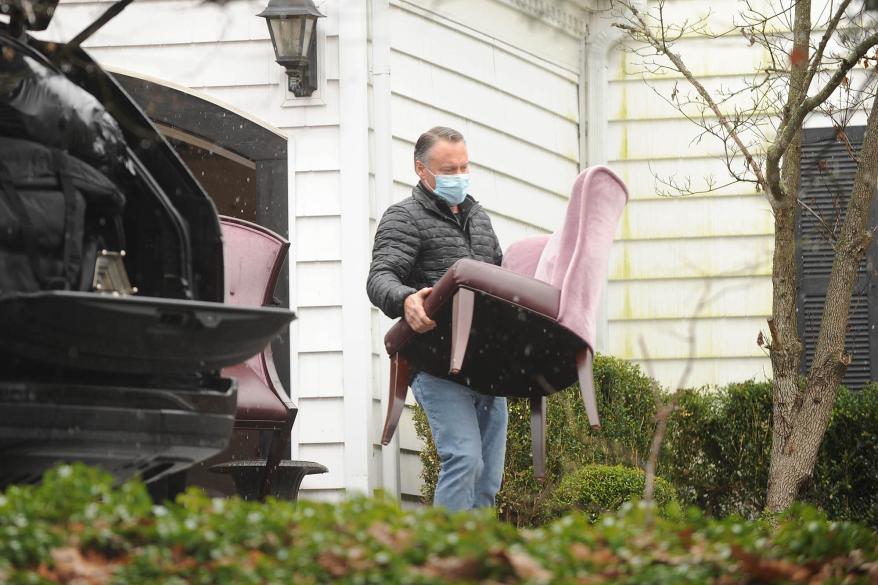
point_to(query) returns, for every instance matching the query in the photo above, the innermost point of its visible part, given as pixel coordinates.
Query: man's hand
(414, 311)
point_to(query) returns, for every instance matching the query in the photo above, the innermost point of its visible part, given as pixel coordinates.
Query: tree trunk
(786, 347)
(792, 461)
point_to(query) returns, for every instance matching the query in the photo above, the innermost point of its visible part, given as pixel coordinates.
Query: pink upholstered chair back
(253, 258)
(574, 258)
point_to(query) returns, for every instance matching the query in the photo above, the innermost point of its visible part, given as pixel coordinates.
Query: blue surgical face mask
(451, 188)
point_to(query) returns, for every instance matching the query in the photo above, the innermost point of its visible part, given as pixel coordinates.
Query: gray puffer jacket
(417, 241)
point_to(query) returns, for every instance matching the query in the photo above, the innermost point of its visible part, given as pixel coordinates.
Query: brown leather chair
(497, 332)
(254, 256)
(525, 329)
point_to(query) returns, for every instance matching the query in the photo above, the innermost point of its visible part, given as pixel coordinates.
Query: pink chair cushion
(575, 258)
(523, 256)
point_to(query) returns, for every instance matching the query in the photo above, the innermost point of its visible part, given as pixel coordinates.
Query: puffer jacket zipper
(462, 227)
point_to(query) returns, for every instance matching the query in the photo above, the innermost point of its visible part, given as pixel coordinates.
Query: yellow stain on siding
(626, 224)
(628, 348)
(623, 115)
(627, 311)
(624, 270)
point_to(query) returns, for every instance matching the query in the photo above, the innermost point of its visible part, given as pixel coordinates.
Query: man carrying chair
(417, 241)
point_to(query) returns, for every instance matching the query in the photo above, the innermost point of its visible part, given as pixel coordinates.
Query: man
(418, 240)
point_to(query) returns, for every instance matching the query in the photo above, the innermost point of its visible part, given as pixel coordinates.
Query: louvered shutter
(827, 178)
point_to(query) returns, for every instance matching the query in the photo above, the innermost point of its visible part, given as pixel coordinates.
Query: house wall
(695, 267)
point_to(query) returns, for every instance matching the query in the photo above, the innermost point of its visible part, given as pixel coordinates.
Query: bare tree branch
(797, 115)
(830, 232)
(824, 41)
(664, 49)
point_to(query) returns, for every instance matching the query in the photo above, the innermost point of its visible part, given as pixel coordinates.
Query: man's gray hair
(431, 137)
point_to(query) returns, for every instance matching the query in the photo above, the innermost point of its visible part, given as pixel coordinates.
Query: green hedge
(75, 528)
(717, 448)
(598, 489)
(716, 452)
(626, 401)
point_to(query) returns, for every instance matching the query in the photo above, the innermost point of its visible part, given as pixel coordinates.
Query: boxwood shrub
(626, 401)
(598, 489)
(77, 528)
(716, 452)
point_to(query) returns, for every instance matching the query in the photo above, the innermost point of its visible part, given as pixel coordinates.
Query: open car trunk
(126, 378)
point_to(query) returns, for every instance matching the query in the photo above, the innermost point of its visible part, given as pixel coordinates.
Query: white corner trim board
(383, 168)
(603, 37)
(354, 186)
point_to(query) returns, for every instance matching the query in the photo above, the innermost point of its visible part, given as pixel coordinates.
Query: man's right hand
(414, 311)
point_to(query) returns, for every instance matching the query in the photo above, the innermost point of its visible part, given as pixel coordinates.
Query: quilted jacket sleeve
(397, 242)
(498, 251)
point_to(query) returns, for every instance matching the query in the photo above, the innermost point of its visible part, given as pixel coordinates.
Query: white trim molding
(603, 37)
(570, 18)
(354, 185)
(382, 163)
(293, 286)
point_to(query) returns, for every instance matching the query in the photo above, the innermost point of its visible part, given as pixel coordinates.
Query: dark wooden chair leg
(400, 373)
(585, 367)
(462, 307)
(277, 452)
(538, 435)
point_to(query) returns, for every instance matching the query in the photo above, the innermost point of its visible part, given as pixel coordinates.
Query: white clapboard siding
(694, 217)
(647, 299)
(721, 370)
(317, 193)
(324, 486)
(319, 284)
(646, 178)
(698, 263)
(672, 338)
(320, 374)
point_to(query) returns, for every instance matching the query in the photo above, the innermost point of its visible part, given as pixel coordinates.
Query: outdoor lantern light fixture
(291, 24)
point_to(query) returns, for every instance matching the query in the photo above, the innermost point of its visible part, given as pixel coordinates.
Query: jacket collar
(422, 194)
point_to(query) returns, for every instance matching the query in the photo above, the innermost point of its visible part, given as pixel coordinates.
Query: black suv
(112, 327)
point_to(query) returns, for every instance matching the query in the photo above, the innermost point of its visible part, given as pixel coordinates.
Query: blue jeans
(469, 430)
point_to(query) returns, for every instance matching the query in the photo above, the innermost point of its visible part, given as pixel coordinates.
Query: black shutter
(826, 181)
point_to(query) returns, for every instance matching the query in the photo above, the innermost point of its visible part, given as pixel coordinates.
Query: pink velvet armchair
(254, 256)
(527, 328)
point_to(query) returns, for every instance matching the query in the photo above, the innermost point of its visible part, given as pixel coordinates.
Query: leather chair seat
(520, 291)
(258, 406)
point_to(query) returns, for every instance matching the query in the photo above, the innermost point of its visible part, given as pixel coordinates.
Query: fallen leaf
(600, 557)
(528, 568)
(398, 541)
(72, 567)
(770, 570)
(450, 568)
(334, 564)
